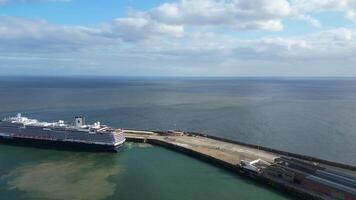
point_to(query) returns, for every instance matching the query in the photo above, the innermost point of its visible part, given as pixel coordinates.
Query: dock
(303, 176)
(226, 152)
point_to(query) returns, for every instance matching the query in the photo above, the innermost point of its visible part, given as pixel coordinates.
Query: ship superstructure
(27, 131)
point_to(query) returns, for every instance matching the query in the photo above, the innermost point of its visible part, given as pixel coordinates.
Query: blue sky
(77, 12)
(178, 38)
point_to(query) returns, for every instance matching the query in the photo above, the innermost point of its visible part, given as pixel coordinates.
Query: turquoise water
(310, 116)
(138, 172)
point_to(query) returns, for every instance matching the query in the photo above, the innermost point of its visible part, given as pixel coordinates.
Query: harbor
(302, 176)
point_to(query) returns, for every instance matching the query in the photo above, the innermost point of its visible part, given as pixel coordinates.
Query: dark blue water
(309, 116)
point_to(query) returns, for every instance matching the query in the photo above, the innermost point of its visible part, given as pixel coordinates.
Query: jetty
(304, 177)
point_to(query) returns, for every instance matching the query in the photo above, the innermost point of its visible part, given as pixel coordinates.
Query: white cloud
(136, 28)
(322, 5)
(325, 45)
(18, 34)
(245, 14)
(37, 35)
(314, 22)
(302, 7)
(183, 34)
(236, 14)
(328, 45)
(351, 15)
(142, 37)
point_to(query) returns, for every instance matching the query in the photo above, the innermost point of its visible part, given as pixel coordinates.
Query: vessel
(21, 130)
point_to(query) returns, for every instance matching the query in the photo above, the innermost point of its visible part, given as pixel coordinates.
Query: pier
(303, 176)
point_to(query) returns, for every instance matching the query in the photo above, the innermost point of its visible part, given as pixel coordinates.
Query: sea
(311, 116)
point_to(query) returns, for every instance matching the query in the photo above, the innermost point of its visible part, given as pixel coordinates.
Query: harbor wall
(228, 166)
(268, 149)
(285, 153)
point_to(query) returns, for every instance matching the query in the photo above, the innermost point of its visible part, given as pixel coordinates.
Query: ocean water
(316, 117)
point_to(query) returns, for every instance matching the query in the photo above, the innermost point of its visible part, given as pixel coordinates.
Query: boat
(24, 131)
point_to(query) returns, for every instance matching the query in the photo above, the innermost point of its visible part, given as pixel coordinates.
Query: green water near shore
(137, 172)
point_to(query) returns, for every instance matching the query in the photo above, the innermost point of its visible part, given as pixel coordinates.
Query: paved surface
(228, 152)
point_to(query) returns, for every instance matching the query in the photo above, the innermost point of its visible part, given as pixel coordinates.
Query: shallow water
(138, 172)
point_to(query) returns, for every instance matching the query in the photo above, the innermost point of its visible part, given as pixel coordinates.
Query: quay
(302, 176)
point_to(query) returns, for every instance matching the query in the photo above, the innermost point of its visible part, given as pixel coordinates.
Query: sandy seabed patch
(131, 145)
(74, 178)
(144, 145)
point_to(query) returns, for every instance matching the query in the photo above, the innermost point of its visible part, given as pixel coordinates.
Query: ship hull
(59, 145)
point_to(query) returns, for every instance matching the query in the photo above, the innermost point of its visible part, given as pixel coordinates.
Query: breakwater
(280, 152)
(228, 154)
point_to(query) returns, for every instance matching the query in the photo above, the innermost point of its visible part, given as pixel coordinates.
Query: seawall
(228, 154)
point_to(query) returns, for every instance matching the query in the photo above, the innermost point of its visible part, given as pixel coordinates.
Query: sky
(178, 37)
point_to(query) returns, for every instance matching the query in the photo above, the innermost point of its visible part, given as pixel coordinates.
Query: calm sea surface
(310, 116)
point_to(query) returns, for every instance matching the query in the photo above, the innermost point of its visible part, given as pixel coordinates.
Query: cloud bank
(185, 35)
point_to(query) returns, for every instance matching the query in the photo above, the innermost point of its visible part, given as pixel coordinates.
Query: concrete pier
(228, 154)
